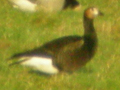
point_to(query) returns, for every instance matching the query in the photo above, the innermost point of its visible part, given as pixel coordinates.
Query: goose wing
(50, 48)
(67, 55)
(54, 46)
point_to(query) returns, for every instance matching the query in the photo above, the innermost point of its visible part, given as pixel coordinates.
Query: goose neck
(90, 36)
(88, 26)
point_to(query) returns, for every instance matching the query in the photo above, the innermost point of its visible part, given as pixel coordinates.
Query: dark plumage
(67, 53)
(73, 4)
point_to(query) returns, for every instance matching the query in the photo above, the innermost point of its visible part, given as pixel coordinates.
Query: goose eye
(92, 9)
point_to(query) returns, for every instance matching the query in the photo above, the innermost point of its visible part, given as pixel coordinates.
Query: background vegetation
(20, 31)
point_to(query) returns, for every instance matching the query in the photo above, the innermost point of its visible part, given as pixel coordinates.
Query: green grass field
(20, 31)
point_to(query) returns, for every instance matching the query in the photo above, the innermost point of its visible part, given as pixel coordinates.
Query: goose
(36, 5)
(46, 5)
(65, 54)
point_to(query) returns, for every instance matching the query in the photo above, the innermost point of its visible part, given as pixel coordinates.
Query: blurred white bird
(45, 5)
(35, 5)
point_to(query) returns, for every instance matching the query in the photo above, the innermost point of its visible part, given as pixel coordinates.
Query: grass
(20, 31)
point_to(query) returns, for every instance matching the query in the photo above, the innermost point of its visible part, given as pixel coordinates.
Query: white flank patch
(24, 5)
(41, 64)
(46, 5)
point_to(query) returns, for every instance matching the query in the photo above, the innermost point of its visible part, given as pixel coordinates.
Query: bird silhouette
(67, 54)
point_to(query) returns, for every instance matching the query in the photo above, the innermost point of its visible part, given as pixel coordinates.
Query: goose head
(92, 12)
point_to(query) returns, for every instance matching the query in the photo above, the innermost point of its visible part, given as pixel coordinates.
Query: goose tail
(20, 58)
(17, 62)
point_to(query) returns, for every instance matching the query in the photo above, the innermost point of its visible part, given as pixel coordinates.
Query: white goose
(46, 5)
(35, 5)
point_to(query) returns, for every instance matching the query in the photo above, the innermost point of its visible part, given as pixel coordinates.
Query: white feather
(46, 5)
(24, 5)
(41, 64)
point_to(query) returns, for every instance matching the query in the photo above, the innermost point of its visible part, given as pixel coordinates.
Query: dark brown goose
(64, 54)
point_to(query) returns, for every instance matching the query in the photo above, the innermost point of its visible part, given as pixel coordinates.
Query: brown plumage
(67, 53)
